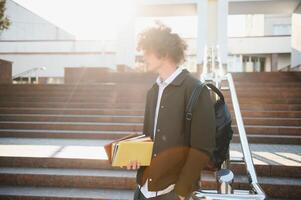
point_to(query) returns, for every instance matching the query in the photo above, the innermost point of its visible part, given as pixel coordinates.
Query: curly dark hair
(161, 41)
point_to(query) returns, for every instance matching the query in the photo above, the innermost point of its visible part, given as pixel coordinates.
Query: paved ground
(270, 154)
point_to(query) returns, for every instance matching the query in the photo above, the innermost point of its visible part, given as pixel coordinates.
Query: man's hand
(181, 198)
(133, 164)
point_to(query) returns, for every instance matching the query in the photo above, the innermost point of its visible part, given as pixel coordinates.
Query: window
(281, 29)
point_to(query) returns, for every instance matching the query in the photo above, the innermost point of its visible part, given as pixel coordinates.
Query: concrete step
(72, 118)
(267, 80)
(79, 111)
(134, 127)
(139, 100)
(239, 83)
(268, 139)
(136, 119)
(243, 106)
(267, 107)
(106, 111)
(51, 155)
(290, 74)
(141, 84)
(267, 130)
(84, 134)
(72, 105)
(123, 179)
(87, 153)
(269, 113)
(75, 87)
(77, 99)
(72, 134)
(96, 126)
(60, 193)
(36, 95)
(100, 92)
(267, 169)
(262, 84)
(59, 177)
(265, 100)
(264, 94)
(269, 121)
(243, 92)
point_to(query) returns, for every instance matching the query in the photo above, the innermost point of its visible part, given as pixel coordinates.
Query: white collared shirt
(162, 85)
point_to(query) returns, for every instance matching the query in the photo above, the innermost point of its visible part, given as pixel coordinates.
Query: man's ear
(165, 58)
(159, 56)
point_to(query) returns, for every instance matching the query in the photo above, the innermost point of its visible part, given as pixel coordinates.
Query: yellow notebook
(136, 147)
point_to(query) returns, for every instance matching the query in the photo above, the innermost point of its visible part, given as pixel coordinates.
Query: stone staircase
(52, 137)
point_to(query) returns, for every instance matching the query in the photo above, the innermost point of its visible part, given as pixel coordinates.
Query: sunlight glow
(53, 151)
(89, 19)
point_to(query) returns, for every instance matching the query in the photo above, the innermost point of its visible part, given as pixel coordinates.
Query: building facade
(245, 35)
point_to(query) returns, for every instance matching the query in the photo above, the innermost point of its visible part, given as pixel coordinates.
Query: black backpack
(224, 131)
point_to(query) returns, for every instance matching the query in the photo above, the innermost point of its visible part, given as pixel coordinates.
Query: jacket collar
(172, 77)
(178, 80)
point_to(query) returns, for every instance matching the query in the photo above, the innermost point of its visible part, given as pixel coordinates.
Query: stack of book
(130, 148)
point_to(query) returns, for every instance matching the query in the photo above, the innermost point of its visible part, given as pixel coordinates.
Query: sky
(104, 19)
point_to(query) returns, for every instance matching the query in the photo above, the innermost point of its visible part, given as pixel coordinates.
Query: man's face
(152, 62)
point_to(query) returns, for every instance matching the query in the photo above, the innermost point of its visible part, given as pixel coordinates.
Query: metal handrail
(241, 130)
(29, 72)
(244, 140)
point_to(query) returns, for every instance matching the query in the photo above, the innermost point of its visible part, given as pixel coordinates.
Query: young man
(177, 158)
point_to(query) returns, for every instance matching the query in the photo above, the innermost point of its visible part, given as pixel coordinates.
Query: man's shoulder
(190, 80)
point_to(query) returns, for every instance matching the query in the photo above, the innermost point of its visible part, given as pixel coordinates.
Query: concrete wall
(259, 45)
(55, 63)
(5, 72)
(296, 38)
(284, 60)
(55, 55)
(26, 25)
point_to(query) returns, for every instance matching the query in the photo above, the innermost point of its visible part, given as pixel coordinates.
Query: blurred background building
(251, 36)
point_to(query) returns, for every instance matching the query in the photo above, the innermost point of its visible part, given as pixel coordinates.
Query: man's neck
(166, 71)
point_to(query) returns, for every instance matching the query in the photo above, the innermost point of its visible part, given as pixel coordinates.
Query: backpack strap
(216, 90)
(191, 104)
(193, 100)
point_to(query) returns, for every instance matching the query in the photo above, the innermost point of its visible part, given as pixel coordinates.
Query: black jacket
(178, 159)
